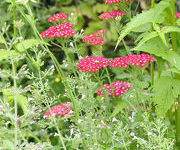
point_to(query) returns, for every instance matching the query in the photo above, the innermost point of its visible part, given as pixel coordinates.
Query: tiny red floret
(95, 38)
(177, 15)
(59, 110)
(111, 15)
(114, 1)
(57, 17)
(119, 88)
(92, 64)
(62, 30)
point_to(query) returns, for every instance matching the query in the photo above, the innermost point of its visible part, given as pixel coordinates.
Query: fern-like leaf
(154, 15)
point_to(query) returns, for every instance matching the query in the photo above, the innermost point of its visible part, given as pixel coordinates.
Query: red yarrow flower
(59, 110)
(62, 30)
(95, 38)
(132, 60)
(177, 15)
(92, 64)
(111, 15)
(114, 1)
(119, 88)
(58, 16)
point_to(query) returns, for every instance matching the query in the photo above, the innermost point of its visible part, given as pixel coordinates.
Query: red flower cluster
(111, 15)
(92, 64)
(114, 1)
(119, 87)
(94, 39)
(62, 30)
(57, 16)
(59, 110)
(177, 15)
(132, 60)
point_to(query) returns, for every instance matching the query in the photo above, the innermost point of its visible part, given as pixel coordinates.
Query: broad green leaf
(157, 48)
(166, 91)
(143, 28)
(151, 16)
(26, 44)
(4, 54)
(21, 100)
(149, 35)
(120, 105)
(160, 64)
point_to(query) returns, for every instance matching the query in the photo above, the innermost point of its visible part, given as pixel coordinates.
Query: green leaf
(120, 105)
(154, 15)
(156, 47)
(4, 54)
(143, 28)
(166, 91)
(21, 100)
(7, 144)
(26, 44)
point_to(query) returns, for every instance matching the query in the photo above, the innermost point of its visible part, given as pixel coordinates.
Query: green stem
(152, 73)
(173, 34)
(152, 64)
(152, 3)
(110, 82)
(14, 79)
(56, 125)
(177, 120)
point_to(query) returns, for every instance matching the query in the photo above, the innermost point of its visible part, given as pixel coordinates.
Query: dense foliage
(89, 75)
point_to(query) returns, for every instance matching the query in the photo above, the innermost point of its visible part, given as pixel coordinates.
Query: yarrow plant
(62, 30)
(95, 38)
(111, 15)
(59, 110)
(119, 88)
(92, 64)
(132, 60)
(177, 15)
(115, 1)
(57, 17)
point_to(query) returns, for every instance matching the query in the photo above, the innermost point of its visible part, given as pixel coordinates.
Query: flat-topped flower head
(115, 1)
(132, 60)
(119, 88)
(92, 64)
(57, 17)
(111, 15)
(62, 30)
(59, 110)
(177, 15)
(95, 38)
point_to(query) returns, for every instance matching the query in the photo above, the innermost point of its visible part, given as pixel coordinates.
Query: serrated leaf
(26, 44)
(156, 47)
(149, 35)
(166, 91)
(151, 16)
(143, 28)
